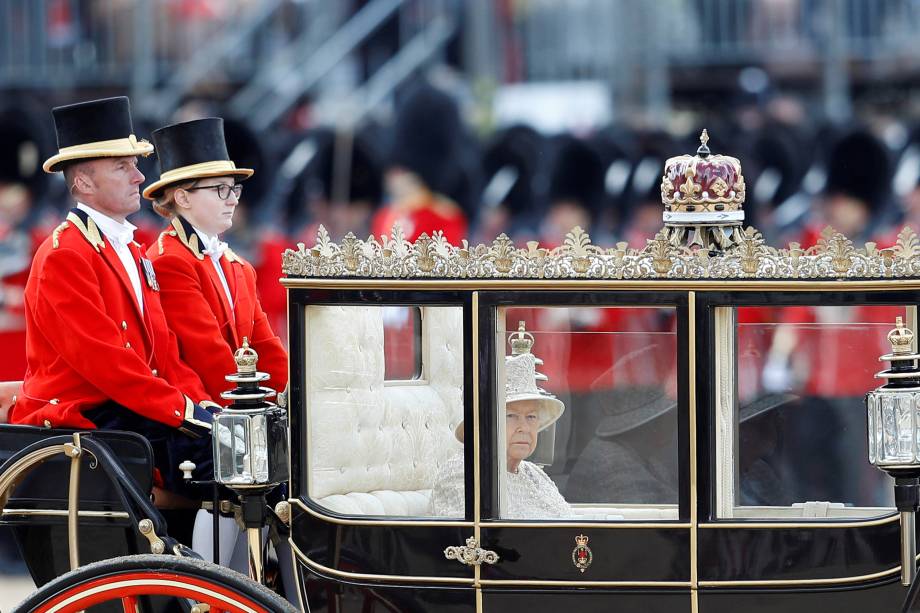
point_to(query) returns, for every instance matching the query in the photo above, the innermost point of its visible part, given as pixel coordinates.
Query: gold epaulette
(56, 235)
(160, 248)
(89, 230)
(189, 239)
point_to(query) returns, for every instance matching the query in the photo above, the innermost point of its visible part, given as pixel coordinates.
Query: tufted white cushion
(375, 448)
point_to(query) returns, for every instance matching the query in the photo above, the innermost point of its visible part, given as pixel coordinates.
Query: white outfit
(120, 235)
(528, 494)
(214, 248)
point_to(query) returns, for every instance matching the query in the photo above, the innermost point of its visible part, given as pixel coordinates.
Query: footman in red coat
(99, 352)
(208, 292)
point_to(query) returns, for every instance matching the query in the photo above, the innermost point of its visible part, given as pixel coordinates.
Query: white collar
(121, 232)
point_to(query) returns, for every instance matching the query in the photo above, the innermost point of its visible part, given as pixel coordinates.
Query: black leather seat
(43, 538)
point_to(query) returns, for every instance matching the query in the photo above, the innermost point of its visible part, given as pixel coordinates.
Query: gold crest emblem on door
(582, 555)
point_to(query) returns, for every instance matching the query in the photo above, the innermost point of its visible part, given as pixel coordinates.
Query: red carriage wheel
(130, 579)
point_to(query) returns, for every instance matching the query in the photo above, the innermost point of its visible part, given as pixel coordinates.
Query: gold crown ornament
(703, 196)
(246, 358)
(522, 341)
(901, 338)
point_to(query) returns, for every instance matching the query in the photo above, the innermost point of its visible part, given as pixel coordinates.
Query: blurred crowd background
(475, 117)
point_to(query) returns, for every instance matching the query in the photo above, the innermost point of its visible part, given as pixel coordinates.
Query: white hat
(521, 378)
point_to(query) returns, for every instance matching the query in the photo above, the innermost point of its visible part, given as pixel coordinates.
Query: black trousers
(170, 447)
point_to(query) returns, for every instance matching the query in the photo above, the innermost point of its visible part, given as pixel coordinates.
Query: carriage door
(380, 380)
(601, 497)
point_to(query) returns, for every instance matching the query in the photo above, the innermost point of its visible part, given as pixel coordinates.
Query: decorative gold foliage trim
(432, 257)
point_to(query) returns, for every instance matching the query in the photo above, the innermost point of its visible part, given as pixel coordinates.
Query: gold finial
(703, 150)
(900, 338)
(246, 358)
(521, 341)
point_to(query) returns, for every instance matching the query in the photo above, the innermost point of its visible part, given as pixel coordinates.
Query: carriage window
(587, 413)
(790, 410)
(376, 446)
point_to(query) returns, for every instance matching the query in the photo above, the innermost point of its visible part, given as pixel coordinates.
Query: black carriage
(742, 492)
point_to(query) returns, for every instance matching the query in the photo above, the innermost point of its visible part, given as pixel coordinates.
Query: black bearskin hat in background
(360, 162)
(577, 174)
(316, 180)
(510, 162)
(245, 149)
(25, 145)
(859, 167)
(616, 149)
(774, 163)
(653, 148)
(428, 138)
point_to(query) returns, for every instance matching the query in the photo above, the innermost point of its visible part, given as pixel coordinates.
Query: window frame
(712, 329)
(299, 300)
(491, 303)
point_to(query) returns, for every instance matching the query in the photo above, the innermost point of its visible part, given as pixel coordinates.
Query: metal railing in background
(639, 46)
(85, 43)
(276, 51)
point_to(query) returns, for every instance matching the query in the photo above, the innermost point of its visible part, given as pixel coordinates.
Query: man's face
(521, 428)
(113, 185)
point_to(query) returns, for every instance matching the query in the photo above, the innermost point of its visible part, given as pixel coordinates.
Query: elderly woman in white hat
(528, 492)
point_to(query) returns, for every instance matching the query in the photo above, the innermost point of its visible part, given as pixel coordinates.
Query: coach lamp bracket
(894, 436)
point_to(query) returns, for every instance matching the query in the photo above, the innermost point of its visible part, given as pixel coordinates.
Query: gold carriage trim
(834, 257)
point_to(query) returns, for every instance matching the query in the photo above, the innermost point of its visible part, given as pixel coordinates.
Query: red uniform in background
(88, 341)
(208, 328)
(422, 216)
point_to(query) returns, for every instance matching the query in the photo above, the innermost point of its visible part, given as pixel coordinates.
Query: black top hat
(636, 406)
(192, 150)
(94, 129)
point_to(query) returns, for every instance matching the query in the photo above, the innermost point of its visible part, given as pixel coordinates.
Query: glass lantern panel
(897, 416)
(235, 463)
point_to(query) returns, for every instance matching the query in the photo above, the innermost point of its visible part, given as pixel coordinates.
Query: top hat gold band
(116, 147)
(214, 168)
(203, 168)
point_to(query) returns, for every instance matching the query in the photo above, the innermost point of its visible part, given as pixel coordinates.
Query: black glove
(197, 420)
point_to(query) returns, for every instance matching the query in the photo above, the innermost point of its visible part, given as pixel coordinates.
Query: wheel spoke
(129, 604)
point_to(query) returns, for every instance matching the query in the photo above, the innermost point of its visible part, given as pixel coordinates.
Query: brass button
(54, 401)
(124, 325)
(127, 345)
(155, 373)
(47, 423)
(178, 414)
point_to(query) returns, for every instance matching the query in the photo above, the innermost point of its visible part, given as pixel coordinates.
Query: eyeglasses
(223, 190)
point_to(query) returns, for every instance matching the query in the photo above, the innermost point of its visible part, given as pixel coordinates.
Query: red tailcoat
(196, 306)
(87, 342)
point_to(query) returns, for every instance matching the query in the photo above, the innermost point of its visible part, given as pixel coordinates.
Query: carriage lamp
(894, 436)
(250, 435)
(250, 448)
